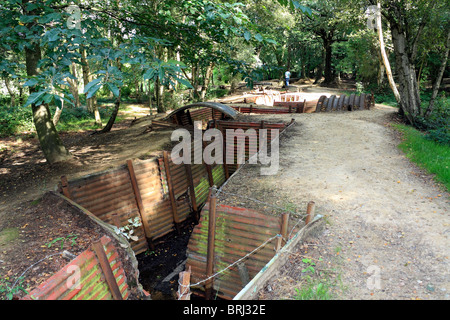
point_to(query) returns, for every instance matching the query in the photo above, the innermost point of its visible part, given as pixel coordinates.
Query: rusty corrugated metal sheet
(232, 147)
(290, 97)
(345, 103)
(205, 114)
(238, 232)
(110, 197)
(157, 209)
(91, 285)
(221, 108)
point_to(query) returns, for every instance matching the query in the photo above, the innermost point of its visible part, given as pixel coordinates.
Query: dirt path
(388, 224)
(25, 175)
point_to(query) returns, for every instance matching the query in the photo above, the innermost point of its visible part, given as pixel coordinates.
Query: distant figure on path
(287, 75)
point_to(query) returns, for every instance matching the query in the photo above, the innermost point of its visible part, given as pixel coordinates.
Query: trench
(159, 268)
(120, 193)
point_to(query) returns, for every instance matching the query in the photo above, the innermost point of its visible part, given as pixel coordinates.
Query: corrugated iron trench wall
(157, 191)
(160, 193)
(96, 274)
(293, 103)
(238, 232)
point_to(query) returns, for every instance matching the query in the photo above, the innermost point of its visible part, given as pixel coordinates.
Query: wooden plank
(211, 245)
(171, 190)
(141, 208)
(65, 187)
(97, 247)
(190, 178)
(183, 285)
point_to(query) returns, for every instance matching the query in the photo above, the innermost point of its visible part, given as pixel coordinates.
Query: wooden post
(176, 219)
(65, 187)
(283, 231)
(137, 195)
(97, 247)
(310, 212)
(190, 178)
(135, 186)
(184, 281)
(211, 245)
(224, 153)
(208, 169)
(243, 273)
(116, 220)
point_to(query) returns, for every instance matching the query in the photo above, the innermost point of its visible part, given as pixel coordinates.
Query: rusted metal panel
(221, 108)
(238, 232)
(291, 97)
(344, 103)
(282, 108)
(231, 147)
(110, 197)
(83, 278)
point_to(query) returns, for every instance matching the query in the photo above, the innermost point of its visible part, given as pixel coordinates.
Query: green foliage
(8, 291)
(313, 290)
(71, 237)
(430, 155)
(14, 120)
(437, 124)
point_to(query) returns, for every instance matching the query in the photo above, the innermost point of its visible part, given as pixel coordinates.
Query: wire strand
(236, 262)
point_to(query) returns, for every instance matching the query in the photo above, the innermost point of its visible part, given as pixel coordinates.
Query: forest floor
(388, 223)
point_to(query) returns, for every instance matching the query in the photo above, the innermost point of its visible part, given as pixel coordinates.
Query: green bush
(430, 155)
(14, 120)
(437, 124)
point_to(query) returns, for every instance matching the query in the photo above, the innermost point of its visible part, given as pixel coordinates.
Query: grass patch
(313, 290)
(427, 154)
(8, 235)
(17, 120)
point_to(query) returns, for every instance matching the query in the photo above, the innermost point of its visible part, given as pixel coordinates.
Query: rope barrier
(236, 262)
(218, 192)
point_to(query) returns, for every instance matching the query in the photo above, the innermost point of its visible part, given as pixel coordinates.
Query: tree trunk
(327, 42)
(319, 72)
(437, 82)
(150, 97)
(195, 73)
(159, 91)
(73, 85)
(385, 59)
(408, 88)
(51, 144)
(113, 116)
(206, 81)
(91, 104)
(12, 95)
(58, 112)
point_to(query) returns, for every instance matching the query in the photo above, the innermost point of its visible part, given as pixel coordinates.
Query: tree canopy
(58, 53)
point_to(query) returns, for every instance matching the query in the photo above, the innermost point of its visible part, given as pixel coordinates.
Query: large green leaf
(114, 89)
(91, 84)
(34, 97)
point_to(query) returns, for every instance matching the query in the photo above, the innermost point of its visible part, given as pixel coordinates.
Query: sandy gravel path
(388, 225)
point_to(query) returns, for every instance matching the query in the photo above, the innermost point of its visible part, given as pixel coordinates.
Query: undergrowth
(427, 154)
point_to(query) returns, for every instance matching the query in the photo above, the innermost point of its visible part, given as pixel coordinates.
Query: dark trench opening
(159, 268)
